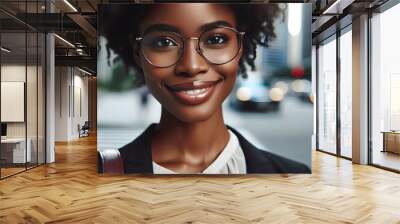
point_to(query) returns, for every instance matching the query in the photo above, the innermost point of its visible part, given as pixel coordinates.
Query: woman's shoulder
(137, 158)
(262, 161)
(278, 164)
(136, 155)
(139, 142)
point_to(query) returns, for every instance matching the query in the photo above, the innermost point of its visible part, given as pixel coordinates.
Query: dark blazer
(137, 157)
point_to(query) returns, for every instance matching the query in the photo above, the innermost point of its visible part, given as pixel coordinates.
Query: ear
(241, 48)
(135, 50)
(240, 51)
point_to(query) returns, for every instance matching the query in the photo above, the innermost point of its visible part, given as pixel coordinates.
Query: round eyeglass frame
(198, 48)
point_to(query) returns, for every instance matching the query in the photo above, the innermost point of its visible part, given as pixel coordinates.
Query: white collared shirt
(230, 161)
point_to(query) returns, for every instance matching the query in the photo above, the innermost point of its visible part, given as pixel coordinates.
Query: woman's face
(192, 89)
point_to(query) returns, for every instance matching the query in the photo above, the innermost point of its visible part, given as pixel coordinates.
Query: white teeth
(194, 92)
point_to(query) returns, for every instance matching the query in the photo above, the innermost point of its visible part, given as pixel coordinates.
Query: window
(385, 89)
(346, 93)
(22, 87)
(327, 96)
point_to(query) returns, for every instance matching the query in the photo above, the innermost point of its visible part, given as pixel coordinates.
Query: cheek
(229, 72)
(155, 77)
(154, 82)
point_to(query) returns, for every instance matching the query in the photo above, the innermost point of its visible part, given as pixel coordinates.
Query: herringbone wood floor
(70, 191)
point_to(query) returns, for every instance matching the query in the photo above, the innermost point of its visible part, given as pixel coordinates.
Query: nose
(191, 62)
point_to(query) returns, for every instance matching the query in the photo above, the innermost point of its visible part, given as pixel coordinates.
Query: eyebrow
(169, 28)
(215, 24)
(161, 27)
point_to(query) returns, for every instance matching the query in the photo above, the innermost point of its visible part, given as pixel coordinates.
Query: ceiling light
(70, 5)
(338, 6)
(333, 6)
(65, 41)
(5, 50)
(84, 71)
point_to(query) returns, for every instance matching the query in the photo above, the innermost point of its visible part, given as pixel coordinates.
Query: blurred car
(303, 90)
(253, 95)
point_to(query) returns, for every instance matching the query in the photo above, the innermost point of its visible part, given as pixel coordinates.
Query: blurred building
(291, 48)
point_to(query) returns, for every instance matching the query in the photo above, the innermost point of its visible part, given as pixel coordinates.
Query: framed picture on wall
(12, 101)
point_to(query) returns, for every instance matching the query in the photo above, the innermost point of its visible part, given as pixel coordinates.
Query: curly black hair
(120, 22)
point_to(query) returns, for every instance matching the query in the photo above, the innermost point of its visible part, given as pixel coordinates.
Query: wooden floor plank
(71, 191)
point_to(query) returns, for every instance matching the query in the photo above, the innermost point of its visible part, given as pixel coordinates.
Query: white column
(50, 93)
(50, 99)
(360, 90)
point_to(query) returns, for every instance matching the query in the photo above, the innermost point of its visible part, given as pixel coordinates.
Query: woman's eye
(164, 42)
(216, 39)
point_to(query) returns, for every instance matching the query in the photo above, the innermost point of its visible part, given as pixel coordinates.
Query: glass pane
(13, 86)
(386, 89)
(327, 96)
(41, 98)
(31, 100)
(31, 87)
(346, 94)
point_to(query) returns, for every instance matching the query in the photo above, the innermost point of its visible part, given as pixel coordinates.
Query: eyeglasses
(218, 46)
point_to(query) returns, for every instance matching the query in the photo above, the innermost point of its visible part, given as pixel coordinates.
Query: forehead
(188, 18)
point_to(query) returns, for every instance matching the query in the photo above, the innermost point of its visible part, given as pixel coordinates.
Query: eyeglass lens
(163, 49)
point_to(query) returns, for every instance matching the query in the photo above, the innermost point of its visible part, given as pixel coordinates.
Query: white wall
(62, 82)
(80, 94)
(71, 93)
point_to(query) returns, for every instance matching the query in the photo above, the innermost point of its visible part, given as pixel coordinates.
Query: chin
(194, 114)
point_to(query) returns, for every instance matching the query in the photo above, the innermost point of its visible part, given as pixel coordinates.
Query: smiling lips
(193, 93)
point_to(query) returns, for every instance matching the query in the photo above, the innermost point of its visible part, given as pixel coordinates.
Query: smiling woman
(188, 55)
